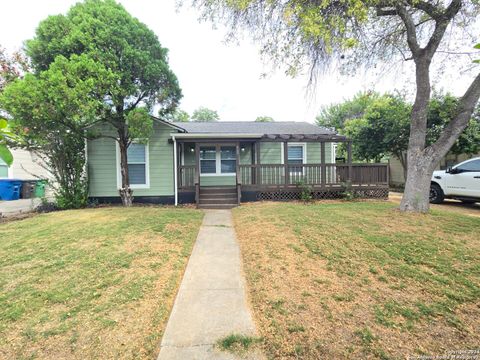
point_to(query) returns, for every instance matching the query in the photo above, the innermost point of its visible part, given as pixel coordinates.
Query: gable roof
(250, 127)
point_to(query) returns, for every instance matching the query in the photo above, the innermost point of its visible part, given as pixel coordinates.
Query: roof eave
(216, 136)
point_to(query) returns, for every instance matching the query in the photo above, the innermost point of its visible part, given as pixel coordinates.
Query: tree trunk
(126, 193)
(422, 161)
(417, 185)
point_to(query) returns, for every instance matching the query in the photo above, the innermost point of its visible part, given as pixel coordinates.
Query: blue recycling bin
(10, 189)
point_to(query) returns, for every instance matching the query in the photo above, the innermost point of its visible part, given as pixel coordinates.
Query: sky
(226, 77)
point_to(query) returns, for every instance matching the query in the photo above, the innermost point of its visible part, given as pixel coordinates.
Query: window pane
(3, 171)
(229, 166)
(208, 166)
(295, 152)
(471, 166)
(298, 162)
(207, 153)
(228, 153)
(137, 174)
(136, 153)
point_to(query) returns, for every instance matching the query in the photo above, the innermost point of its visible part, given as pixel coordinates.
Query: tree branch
(411, 30)
(456, 126)
(441, 24)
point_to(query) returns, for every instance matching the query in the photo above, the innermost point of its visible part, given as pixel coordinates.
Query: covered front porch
(251, 167)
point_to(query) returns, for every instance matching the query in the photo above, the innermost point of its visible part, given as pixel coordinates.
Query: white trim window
(4, 170)
(297, 155)
(138, 166)
(218, 160)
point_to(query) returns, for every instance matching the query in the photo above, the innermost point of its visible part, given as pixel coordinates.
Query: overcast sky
(224, 77)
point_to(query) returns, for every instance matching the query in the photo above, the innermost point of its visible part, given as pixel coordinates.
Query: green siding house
(220, 164)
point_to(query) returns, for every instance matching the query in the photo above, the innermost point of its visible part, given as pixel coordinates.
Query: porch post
(258, 175)
(285, 160)
(349, 162)
(237, 171)
(175, 169)
(323, 174)
(197, 172)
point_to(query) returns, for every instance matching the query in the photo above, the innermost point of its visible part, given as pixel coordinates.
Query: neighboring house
(223, 163)
(397, 179)
(26, 166)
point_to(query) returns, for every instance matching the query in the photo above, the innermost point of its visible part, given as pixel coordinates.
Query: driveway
(15, 207)
(449, 205)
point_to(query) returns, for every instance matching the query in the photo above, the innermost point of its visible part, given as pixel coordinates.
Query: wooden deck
(286, 181)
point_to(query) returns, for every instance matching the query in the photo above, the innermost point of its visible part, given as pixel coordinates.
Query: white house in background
(26, 166)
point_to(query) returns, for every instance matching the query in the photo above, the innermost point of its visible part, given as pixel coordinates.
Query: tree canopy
(379, 125)
(264, 119)
(178, 115)
(203, 114)
(113, 71)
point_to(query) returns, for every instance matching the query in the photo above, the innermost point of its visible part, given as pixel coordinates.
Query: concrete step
(218, 189)
(232, 200)
(218, 195)
(217, 206)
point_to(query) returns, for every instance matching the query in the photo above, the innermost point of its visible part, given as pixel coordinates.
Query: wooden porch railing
(264, 175)
(186, 176)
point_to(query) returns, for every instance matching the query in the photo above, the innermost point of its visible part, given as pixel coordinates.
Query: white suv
(461, 182)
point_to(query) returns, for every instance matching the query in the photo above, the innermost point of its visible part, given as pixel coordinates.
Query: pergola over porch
(257, 181)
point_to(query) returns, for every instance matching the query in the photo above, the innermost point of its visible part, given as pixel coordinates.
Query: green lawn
(91, 284)
(354, 280)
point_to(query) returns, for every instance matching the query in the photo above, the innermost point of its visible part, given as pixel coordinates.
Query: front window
(137, 164)
(208, 160)
(296, 158)
(228, 159)
(218, 160)
(3, 169)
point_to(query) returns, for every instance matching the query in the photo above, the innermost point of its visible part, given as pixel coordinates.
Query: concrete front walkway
(211, 302)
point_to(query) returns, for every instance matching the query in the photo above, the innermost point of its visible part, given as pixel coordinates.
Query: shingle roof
(244, 127)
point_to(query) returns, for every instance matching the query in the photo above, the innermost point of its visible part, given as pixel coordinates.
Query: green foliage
(5, 135)
(52, 110)
(300, 33)
(96, 64)
(382, 130)
(441, 109)
(264, 119)
(335, 115)
(379, 125)
(11, 67)
(237, 343)
(140, 124)
(203, 114)
(178, 115)
(477, 60)
(305, 191)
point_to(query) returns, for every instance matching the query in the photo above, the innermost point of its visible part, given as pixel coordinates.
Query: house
(26, 166)
(397, 178)
(220, 164)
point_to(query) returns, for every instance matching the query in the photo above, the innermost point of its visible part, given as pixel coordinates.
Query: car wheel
(468, 201)
(436, 194)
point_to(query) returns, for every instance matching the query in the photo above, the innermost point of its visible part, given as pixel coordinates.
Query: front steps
(218, 197)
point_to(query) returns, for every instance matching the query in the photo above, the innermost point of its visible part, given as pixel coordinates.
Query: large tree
(264, 119)
(379, 125)
(52, 112)
(105, 32)
(366, 32)
(203, 114)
